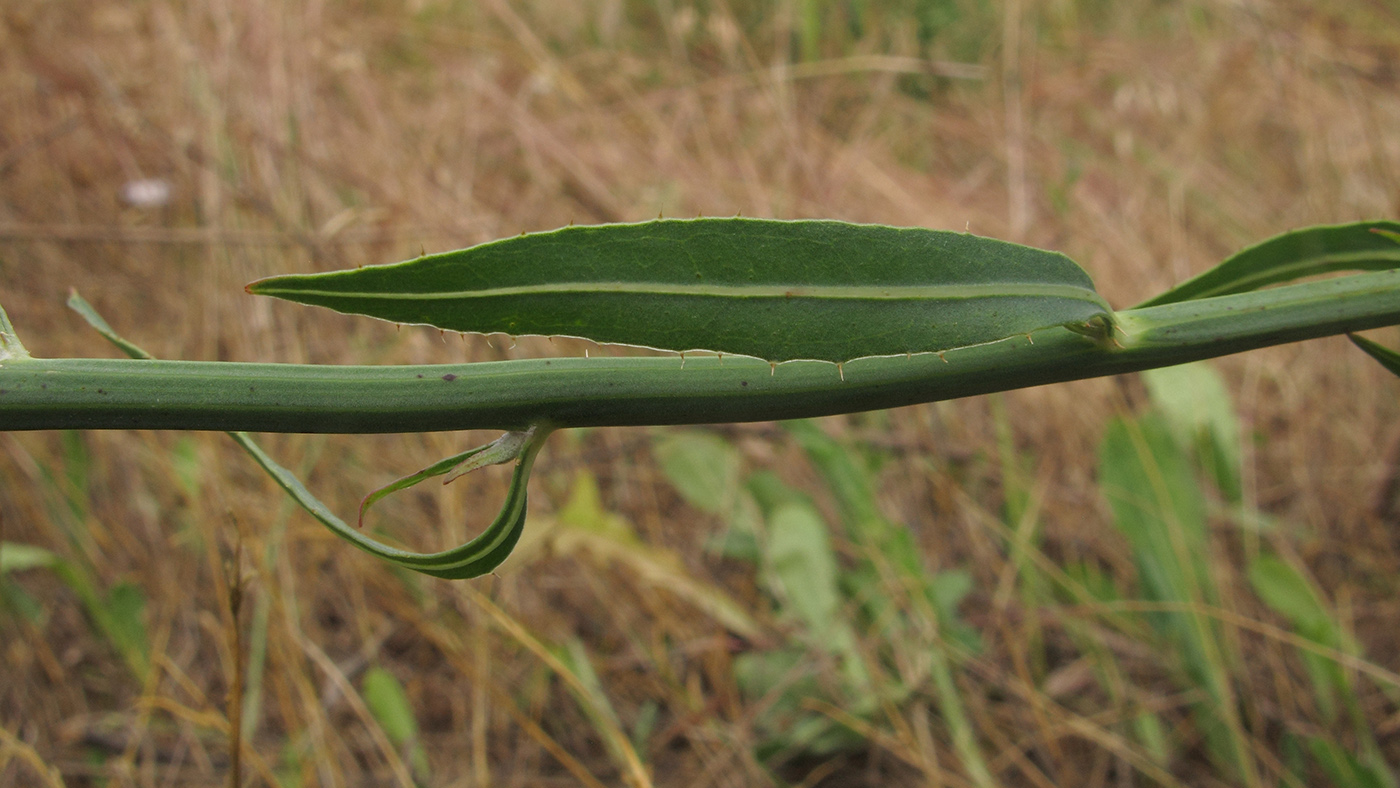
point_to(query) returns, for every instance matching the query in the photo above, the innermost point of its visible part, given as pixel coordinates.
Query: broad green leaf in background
(1294, 255)
(1157, 505)
(1197, 408)
(849, 480)
(775, 290)
(706, 469)
(800, 557)
(703, 468)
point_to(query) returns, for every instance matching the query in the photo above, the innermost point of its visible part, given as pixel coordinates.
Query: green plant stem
(602, 391)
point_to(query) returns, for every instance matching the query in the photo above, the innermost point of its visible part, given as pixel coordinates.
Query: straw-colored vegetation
(1098, 583)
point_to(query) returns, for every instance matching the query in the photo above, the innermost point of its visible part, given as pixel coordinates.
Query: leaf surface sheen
(774, 290)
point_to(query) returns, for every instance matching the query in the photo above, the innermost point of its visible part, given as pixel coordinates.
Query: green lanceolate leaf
(1363, 246)
(774, 290)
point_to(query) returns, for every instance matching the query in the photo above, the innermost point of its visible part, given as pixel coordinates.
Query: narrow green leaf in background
(1290, 594)
(388, 702)
(1157, 504)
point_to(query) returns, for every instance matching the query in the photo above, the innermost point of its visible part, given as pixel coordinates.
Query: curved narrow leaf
(775, 290)
(473, 559)
(1363, 246)
(1388, 358)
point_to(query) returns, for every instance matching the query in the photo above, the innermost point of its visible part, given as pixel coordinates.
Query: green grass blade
(1157, 505)
(1363, 246)
(1388, 358)
(1291, 595)
(774, 290)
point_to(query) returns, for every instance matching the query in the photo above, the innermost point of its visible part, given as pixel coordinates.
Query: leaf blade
(775, 290)
(1360, 246)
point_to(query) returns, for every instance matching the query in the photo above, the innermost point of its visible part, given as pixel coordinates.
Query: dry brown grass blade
(635, 773)
(12, 749)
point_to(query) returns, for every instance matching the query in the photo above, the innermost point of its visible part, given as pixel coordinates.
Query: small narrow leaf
(1388, 358)
(1363, 246)
(385, 696)
(388, 702)
(498, 452)
(78, 304)
(11, 349)
(775, 290)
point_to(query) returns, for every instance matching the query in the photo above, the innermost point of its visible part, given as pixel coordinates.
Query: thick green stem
(137, 394)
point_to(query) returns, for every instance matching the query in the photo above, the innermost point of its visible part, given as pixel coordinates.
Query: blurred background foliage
(1190, 577)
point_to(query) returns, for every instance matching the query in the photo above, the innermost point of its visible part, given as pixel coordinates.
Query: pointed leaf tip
(1388, 358)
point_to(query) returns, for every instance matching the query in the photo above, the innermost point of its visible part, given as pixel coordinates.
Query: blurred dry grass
(1146, 140)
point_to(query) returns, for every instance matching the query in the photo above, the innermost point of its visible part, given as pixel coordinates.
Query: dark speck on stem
(449, 377)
